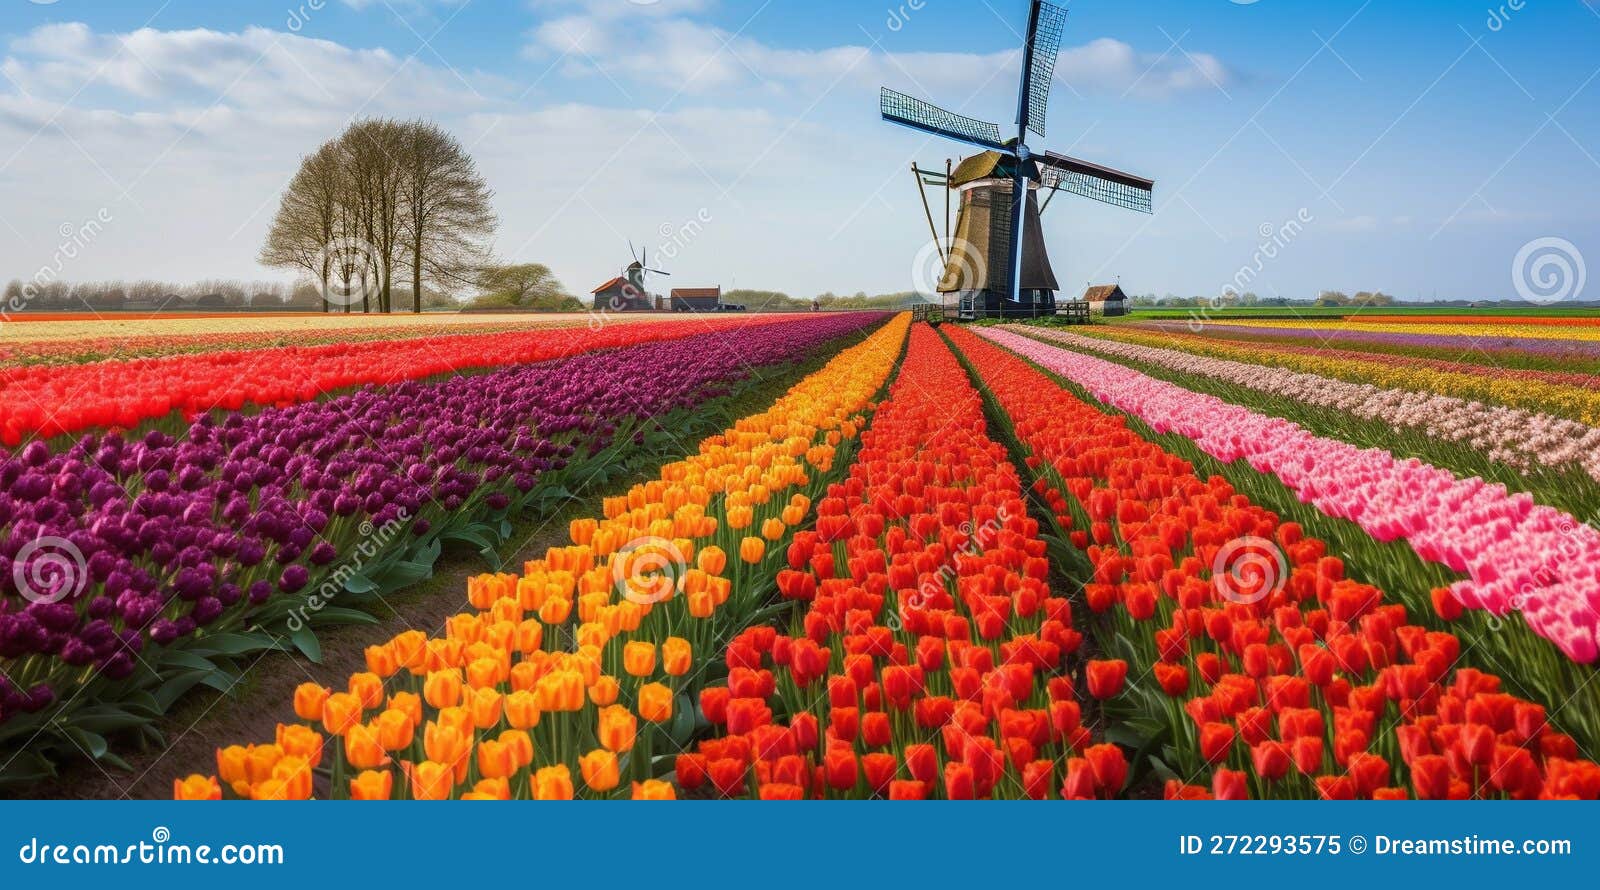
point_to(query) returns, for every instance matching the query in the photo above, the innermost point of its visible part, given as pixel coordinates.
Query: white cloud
(700, 58)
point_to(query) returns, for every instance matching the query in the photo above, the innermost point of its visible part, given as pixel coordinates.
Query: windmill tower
(997, 264)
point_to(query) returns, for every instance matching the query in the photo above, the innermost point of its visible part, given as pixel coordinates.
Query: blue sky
(1424, 143)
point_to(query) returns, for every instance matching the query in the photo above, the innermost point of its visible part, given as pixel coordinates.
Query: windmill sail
(919, 115)
(1095, 182)
(1044, 45)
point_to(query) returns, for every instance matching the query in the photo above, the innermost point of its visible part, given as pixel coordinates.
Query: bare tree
(384, 195)
(309, 219)
(448, 217)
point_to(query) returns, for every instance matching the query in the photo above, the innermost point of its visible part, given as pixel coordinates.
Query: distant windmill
(640, 267)
(997, 261)
(627, 292)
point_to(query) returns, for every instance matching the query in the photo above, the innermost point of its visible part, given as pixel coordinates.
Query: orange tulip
(261, 760)
(677, 656)
(530, 635)
(445, 744)
(395, 730)
(308, 699)
(483, 673)
(408, 702)
(410, 650)
(555, 610)
(752, 549)
(702, 605)
(521, 745)
(712, 560)
(600, 770)
(442, 689)
(655, 702)
(233, 767)
(617, 728)
(489, 789)
(431, 781)
(604, 690)
(381, 661)
(496, 760)
(772, 529)
(552, 783)
(372, 785)
(198, 787)
(368, 687)
(639, 658)
(560, 690)
(340, 711)
(485, 705)
(458, 719)
(521, 709)
(295, 774)
(362, 749)
(653, 789)
(301, 741)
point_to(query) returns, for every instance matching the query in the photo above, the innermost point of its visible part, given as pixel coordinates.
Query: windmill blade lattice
(1046, 46)
(899, 108)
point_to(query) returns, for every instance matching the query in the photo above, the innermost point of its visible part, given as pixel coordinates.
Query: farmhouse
(696, 299)
(1106, 299)
(621, 295)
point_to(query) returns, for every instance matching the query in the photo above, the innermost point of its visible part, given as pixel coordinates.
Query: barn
(1106, 299)
(696, 299)
(620, 295)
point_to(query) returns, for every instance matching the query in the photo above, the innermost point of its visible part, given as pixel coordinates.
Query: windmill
(627, 291)
(997, 262)
(640, 267)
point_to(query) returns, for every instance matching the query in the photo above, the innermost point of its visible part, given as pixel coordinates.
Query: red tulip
(1106, 678)
(1110, 767)
(1229, 784)
(1270, 759)
(1216, 740)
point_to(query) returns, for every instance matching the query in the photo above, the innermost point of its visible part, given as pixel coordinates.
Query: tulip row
(584, 666)
(127, 565)
(1555, 395)
(1518, 556)
(1259, 669)
(58, 343)
(41, 400)
(929, 657)
(1510, 436)
(1487, 331)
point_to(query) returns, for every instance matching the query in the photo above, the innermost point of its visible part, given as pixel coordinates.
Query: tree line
(384, 201)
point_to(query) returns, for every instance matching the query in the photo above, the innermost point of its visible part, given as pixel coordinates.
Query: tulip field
(811, 556)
